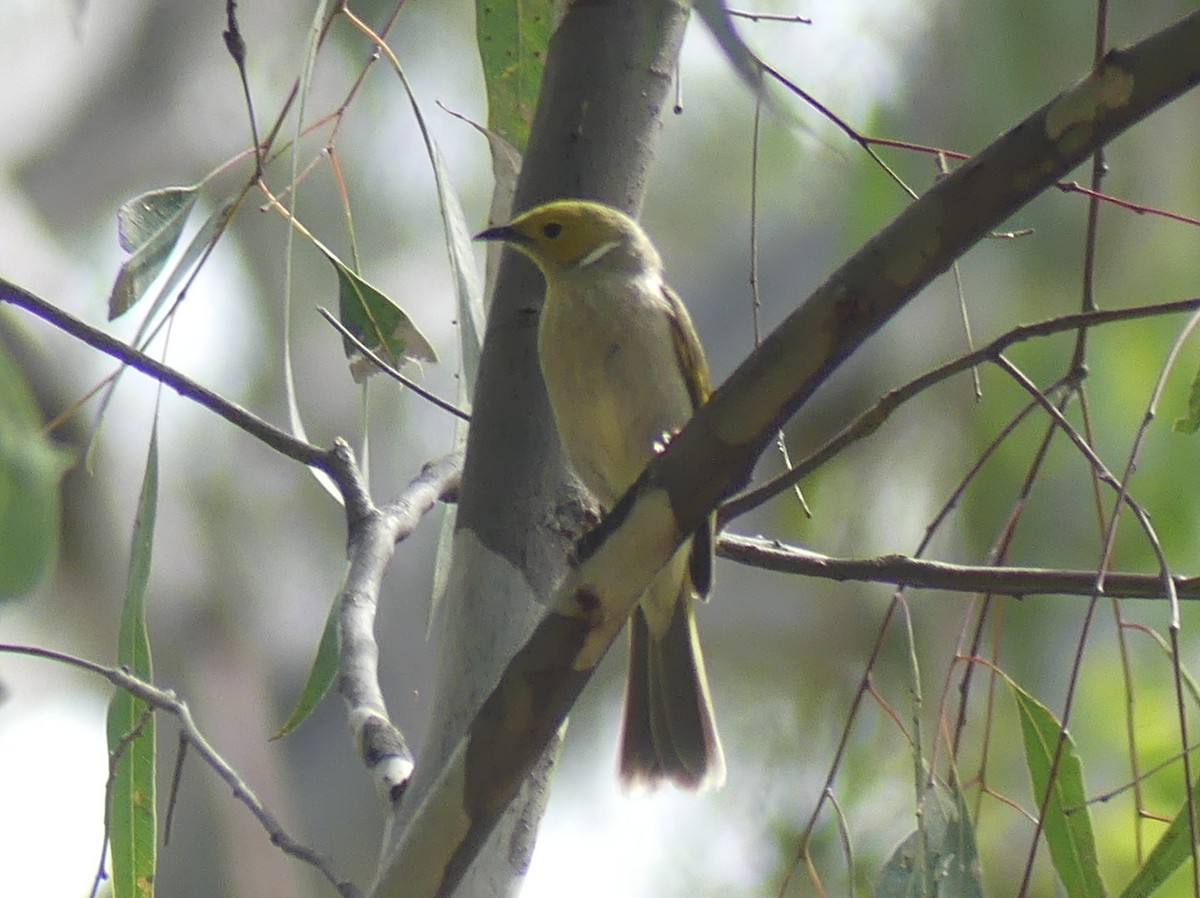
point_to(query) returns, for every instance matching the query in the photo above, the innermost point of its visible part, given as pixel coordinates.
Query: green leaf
(377, 321)
(467, 289)
(939, 859)
(316, 30)
(132, 816)
(320, 675)
(1173, 850)
(512, 36)
(148, 226)
(203, 239)
(1191, 423)
(1067, 824)
(472, 314)
(31, 470)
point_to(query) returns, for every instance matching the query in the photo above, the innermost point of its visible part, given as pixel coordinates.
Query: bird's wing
(688, 349)
(699, 385)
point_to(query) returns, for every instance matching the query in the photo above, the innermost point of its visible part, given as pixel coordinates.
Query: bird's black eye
(552, 230)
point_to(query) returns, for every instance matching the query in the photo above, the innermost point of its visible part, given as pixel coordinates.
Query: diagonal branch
(716, 452)
(272, 436)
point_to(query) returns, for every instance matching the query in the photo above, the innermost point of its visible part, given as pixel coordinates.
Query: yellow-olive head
(570, 235)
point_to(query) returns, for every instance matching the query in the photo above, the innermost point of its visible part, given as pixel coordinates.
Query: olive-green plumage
(624, 370)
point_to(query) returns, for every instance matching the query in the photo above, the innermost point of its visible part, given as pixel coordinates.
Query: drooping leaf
(468, 290)
(939, 859)
(720, 24)
(148, 226)
(512, 37)
(380, 324)
(472, 319)
(31, 470)
(442, 561)
(316, 29)
(1067, 824)
(203, 238)
(506, 168)
(320, 675)
(132, 814)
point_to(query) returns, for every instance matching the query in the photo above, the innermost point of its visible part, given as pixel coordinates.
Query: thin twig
(943, 514)
(390, 370)
(843, 826)
(839, 755)
(236, 45)
(870, 421)
(1099, 586)
(769, 17)
(1175, 624)
(755, 297)
(943, 169)
(997, 555)
(272, 436)
(1101, 470)
(1139, 208)
(165, 700)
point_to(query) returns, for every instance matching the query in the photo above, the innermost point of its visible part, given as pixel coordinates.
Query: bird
(624, 371)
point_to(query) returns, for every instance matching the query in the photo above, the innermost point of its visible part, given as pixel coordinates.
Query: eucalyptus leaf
(320, 675)
(939, 859)
(1067, 824)
(132, 813)
(512, 36)
(148, 226)
(377, 321)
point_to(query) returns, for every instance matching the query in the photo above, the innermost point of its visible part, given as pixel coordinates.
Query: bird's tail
(669, 732)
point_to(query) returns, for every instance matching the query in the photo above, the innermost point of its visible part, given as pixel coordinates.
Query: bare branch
(373, 537)
(166, 700)
(903, 570)
(272, 436)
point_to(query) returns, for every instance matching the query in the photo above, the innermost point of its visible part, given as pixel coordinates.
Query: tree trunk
(609, 70)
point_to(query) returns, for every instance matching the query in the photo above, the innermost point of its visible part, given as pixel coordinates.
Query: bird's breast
(612, 374)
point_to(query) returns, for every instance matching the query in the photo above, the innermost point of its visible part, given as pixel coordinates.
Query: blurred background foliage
(108, 99)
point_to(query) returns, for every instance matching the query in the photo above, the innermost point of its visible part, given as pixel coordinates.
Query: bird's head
(569, 235)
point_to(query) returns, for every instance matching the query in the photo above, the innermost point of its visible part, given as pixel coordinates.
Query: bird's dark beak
(502, 233)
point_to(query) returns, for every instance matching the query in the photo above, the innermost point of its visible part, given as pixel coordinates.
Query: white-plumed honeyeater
(624, 370)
